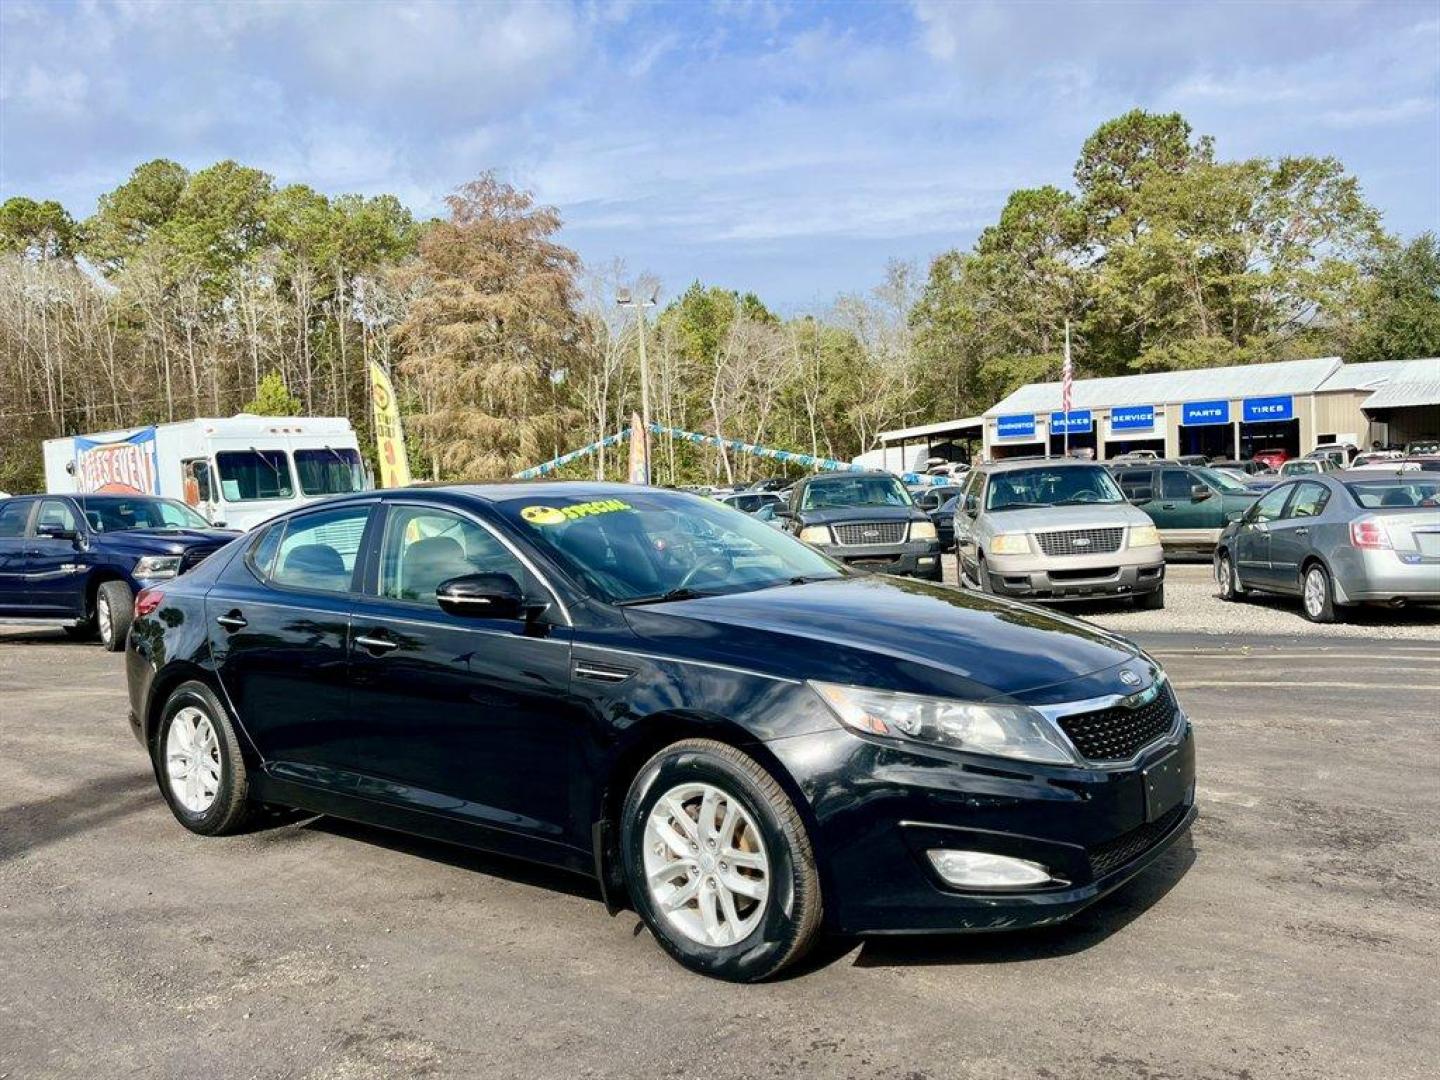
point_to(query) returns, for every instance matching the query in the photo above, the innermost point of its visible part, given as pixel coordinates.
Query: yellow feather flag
(389, 437)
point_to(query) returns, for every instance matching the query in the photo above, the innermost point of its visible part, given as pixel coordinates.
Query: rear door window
(1310, 500)
(1175, 484)
(13, 515)
(319, 551)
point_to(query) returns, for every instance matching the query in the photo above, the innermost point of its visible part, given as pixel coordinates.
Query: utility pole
(625, 298)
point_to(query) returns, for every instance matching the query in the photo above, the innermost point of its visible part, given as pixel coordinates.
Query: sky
(789, 149)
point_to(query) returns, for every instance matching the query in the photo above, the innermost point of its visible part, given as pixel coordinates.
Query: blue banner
(1132, 418)
(1015, 427)
(1201, 413)
(1076, 422)
(1260, 410)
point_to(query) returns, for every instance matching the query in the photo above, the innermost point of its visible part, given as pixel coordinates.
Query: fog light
(982, 870)
(927, 560)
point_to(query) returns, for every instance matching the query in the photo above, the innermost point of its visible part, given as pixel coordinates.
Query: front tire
(1228, 578)
(718, 862)
(114, 611)
(1151, 601)
(1317, 595)
(197, 762)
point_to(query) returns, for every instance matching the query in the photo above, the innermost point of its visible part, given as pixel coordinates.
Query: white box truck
(237, 471)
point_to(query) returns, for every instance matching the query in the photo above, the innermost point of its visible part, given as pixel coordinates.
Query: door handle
(377, 644)
(233, 621)
(1167, 506)
(1304, 530)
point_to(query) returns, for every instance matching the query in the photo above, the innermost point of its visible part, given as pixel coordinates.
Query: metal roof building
(1227, 412)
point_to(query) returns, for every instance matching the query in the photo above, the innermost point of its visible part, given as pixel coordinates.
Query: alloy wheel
(102, 619)
(705, 864)
(192, 760)
(1315, 592)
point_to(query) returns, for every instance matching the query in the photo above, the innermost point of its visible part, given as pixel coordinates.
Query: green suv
(1190, 504)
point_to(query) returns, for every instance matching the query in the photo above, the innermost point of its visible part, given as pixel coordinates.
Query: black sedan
(738, 737)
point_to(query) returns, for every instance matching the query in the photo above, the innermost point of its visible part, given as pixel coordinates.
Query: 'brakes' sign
(126, 466)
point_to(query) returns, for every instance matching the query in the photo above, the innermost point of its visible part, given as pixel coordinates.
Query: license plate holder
(1167, 783)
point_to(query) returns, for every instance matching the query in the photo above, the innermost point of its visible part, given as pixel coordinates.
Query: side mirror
(1199, 493)
(56, 532)
(482, 596)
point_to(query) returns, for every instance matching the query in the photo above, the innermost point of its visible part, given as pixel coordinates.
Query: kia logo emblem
(1129, 678)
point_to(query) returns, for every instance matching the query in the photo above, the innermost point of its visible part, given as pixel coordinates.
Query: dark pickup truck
(77, 561)
(867, 520)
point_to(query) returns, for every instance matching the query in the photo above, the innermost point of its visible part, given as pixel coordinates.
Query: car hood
(163, 541)
(1053, 518)
(835, 514)
(899, 634)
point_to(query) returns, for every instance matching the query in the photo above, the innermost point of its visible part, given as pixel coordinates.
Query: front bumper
(1090, 827)
(919, 558)
(1056, 581)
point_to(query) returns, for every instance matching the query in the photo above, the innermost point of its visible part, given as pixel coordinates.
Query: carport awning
(1401, 395)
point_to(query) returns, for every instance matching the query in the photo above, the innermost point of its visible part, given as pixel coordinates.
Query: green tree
(273, 398)
(42, 230)
(126, 217)
(1399, 308)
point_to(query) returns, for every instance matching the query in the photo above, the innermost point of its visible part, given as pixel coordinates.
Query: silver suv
(1056, 530)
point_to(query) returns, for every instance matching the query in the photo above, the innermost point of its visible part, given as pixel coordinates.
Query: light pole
(625, 298)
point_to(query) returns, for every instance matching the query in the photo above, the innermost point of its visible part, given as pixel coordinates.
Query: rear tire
(114, 611)
(198, 763)
(743, 927)
(1317, 595)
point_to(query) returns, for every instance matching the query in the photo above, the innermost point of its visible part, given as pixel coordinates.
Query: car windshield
(855, 491)
(1051, 486)
(1396, 493)
(1217, 479)
(654, 545)
(1293, 468)
(329, 471)
(117, 515)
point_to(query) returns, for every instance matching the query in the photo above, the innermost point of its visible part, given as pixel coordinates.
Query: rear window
(1395, 493)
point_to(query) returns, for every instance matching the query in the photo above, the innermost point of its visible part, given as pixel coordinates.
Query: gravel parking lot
(1193, 606)
(1296, 935)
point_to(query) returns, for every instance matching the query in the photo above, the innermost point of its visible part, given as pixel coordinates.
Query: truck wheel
(1151, 601)
(114, 610)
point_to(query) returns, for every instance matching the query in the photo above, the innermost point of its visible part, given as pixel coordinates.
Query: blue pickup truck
(78, 561)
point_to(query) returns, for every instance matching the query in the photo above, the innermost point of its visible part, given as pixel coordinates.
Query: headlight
(1144, 536)
(1011, 731)
(815, 534)
(158, 566)
(1010, 544)
(923, 530)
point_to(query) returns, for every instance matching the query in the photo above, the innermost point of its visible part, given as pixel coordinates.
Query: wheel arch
(1337, 591)
(164, 684)
(97, 578)
(642, 742)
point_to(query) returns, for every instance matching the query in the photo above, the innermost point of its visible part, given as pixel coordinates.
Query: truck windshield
(108, 515)
(1066, 485)
(254, 474)
(329, 471)
(855, 491)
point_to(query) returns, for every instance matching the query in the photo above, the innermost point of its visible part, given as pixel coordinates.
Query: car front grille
(1080, 541)
(1120, 732)
(870, 532)
(1127, 847)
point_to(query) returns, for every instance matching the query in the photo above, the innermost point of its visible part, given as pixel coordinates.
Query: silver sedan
(1338, 539)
